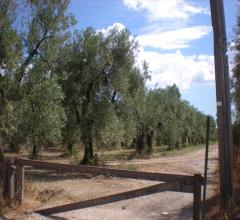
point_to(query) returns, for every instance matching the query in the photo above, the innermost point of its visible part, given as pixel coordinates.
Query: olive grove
(59, 87)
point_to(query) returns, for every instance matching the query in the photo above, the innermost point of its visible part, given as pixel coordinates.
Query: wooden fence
(12, 174)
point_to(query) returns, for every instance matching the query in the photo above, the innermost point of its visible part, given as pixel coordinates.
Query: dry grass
(7, 205)
(38, 194)
(2, 206)
(215, 212)
(158, 151)
(126, 166)
(35, 196)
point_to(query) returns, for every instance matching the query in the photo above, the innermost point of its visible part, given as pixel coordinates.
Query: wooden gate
(12, 173)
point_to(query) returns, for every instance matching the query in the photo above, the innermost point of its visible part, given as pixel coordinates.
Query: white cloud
(165, 9)
(173, 67)
(168, 23)
(169, 68)
(174, 39)
(118, 26)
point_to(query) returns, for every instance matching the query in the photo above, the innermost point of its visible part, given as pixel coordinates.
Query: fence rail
(185, 179)
(108, 199)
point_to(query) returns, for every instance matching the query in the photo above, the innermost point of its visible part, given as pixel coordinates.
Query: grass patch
(158, 151)
(120, 154)
(126, 166)
(164, 151)
(113, 155)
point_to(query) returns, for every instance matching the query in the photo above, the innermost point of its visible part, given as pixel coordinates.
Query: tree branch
(113, 97)
(30, 57)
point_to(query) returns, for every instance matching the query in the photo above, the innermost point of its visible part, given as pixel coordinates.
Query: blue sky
(175, 38)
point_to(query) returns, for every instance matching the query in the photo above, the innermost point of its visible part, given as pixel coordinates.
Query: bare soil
(50, 189)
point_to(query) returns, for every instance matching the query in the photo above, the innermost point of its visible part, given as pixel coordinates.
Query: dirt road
(59, 189)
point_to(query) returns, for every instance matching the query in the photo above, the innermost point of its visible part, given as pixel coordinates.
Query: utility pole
(223, 103)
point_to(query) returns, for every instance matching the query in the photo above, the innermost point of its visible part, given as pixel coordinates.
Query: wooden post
(197, 197)
(20, 183)
(205, 168)
(2, 172)
(4, 179)
(223, 103)
(10, 181)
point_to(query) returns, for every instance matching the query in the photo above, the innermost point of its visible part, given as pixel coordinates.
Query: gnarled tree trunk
(149, 142)
(88, 152)
(70, 147)
(140, 143)
(34, 151)
(87, 140)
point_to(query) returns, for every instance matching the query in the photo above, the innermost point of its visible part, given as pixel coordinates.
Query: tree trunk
(70, 147)
(1, 155)
(158, 141)
(149, 142)
(14, 148)
(1, 141)
(170, 143)
(184, 140)
(140, 143)
(177, 145)
(87, 125)
(34, 151)
(133, 144)
(88, 152)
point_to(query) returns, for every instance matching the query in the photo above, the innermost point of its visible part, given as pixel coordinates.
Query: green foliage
(31, 98)
(41, 112)
(10, 44)
(175, 123)
(98, 76)
(83, 88)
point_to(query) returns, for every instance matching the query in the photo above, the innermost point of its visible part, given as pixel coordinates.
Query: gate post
(20, 183)
(9, 181)
(4, 179)
(3, 172)
(197, 197)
